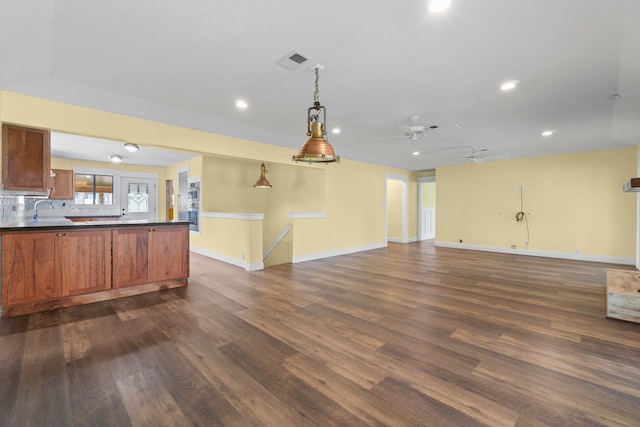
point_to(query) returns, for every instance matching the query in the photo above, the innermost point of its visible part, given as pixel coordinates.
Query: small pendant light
(262, 182)
(317, 149)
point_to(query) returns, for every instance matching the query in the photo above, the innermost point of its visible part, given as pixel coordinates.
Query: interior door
(138, 198)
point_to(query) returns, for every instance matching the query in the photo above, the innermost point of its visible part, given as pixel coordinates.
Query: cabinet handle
(151, 230)
(62, 234)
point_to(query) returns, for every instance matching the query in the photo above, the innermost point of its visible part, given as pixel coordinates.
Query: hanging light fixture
(317, 149)
(262, 182)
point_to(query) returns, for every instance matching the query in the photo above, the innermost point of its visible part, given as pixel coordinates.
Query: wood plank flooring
(409, 335)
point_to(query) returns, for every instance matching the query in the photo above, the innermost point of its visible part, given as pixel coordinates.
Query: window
(93, 189)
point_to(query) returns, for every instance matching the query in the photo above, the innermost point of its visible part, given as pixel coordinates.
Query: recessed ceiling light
(335, 130)
(132, 148)
(241, 104)
(548, 132)
(509, 85)
(416, 153)
(437, 6)
(115, 158)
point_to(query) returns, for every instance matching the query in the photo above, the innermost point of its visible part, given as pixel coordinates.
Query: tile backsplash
(15, 208)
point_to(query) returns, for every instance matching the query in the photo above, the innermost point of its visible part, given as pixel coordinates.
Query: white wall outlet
(526, 244)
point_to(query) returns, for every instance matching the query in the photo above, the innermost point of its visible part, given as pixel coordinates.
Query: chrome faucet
(35, 207)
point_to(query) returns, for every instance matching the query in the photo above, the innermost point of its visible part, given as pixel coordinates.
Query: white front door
(138, 198)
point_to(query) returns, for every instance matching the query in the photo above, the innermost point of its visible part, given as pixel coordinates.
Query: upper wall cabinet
(61, 184)
(26, 159)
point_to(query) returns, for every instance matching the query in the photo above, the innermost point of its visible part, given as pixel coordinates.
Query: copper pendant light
(317, 149)
(263, 182)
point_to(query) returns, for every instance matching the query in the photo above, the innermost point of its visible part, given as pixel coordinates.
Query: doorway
(426, 208)
(138, 198)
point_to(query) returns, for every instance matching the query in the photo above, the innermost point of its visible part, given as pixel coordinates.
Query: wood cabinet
(29, 268)
(81, 264)
(38, 266)
(26, 159)
(85, 261)
(61, 184)
(149, 254)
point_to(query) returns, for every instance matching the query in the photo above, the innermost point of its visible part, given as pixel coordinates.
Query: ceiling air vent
(292, 61)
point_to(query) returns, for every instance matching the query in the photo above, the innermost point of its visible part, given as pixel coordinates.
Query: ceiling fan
(412, 132)
(415, 131)
(476, 154)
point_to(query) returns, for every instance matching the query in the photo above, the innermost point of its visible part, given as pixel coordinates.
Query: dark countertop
(57, 223)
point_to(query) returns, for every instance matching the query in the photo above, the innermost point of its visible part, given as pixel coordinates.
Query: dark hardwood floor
(410, 335)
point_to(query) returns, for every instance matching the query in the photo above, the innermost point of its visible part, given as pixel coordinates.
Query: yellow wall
(574, 202)
(353, 191)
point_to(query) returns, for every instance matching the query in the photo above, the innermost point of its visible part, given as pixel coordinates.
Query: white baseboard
(328, 254)
(229, 260)
(547, 254)
(395, 240)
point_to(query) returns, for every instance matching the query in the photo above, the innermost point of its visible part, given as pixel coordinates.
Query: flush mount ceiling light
(416, 153)
(548, 132)
(510, 85)
(115, 158)
(132, 148)
(262, 182)
(241, 104)
(317, 149)
(437, 6)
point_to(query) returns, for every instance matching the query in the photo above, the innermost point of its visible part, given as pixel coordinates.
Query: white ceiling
(186, 62)
(67, 146)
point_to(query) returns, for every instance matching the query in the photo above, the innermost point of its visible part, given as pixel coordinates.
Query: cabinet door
(130, 256)
(169, 252)
(29, 267)
(61, 184)
(86, 261)
(26, 158)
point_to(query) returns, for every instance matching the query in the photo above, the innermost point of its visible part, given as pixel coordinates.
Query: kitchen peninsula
(55, 262)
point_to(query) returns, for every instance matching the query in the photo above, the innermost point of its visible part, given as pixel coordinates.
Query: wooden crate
(623, 294)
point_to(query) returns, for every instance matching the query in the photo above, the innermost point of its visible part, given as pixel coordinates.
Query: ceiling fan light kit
(317, 149)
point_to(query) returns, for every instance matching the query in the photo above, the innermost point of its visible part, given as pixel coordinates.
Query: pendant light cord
(316, 93)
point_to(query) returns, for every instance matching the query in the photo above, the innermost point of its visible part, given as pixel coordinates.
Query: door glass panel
(138, 198)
